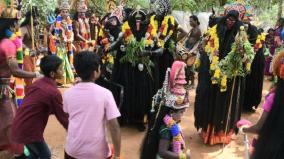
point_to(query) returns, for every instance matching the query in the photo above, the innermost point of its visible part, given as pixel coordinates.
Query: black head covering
(234, 14)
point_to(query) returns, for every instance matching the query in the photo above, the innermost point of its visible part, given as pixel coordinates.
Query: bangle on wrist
(242, 129)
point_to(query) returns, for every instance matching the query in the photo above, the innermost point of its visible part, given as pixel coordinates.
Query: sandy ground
(131, 138)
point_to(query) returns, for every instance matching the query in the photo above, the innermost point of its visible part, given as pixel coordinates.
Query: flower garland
(164, 34)
(105, 42)
(67, 35)
(232, 64)
(58, 27)
(133, 47)
(178, 141)
(19, 82)
(259, 41)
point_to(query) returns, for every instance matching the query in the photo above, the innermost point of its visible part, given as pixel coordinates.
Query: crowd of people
(136, 67)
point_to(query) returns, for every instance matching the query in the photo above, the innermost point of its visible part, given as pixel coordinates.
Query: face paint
(138, 18)
(230, 22)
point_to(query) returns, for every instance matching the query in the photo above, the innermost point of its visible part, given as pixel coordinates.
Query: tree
(280, 4)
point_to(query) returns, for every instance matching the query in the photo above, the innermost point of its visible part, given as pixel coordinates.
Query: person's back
(90, 108)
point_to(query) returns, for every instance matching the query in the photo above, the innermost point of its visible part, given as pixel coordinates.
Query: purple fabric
(267, 105)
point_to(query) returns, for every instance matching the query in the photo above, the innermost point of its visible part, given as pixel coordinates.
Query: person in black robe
(254, 81)
(161, 9)
(138, 82)
(211, 105)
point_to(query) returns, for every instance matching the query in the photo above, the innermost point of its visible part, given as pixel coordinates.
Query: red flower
(162, 28)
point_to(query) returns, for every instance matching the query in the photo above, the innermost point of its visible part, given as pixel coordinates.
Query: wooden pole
(230, 109)
(32, 26)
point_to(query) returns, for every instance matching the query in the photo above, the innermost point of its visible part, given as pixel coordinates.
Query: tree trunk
(280, 3)
(222, 2)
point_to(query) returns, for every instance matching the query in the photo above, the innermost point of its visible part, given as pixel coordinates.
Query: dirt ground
(131, 138)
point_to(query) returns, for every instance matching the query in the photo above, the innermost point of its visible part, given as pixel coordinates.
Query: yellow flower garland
(219, 73)
(127, 30)
(155, 32)
(259, 41)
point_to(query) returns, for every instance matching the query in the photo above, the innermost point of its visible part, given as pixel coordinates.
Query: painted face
(64, 13)
(230, 22)
(113, 21)
(138, 19)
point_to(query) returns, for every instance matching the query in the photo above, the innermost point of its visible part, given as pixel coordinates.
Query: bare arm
(256, 128)
(115, 44)
(16, 71)
(114, 129)
(181, 31)
(164, 150)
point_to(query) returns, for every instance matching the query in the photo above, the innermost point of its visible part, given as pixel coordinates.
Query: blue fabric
(282, 34)
(175, 130)
(8, 33)
(59, 18)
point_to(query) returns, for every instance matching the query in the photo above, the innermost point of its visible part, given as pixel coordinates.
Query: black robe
(138, 85)
(166, 60)
(254, 81)
(212, 105)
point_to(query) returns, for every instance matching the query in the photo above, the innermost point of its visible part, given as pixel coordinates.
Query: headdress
(278, 65)
(162, 6)
(64, 5)
(10, 9)
(118, 13)
(81, 6)
(237, 7)
(138, 12)
(173, 94)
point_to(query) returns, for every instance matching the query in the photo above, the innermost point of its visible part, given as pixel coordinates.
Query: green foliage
(172, 47)
(232, 65)
(184, 5)
(133, 48)
(141, 3)
(44, 7)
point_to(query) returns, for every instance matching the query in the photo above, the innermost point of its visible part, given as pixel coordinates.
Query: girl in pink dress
(270, 142)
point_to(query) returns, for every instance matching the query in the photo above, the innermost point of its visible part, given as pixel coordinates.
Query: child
(90, 108)
(42, 99)
(164, 138)
(270, 126)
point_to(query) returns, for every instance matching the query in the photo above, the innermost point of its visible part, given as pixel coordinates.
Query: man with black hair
(90, 108)
(42, 99)
(192, 39)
